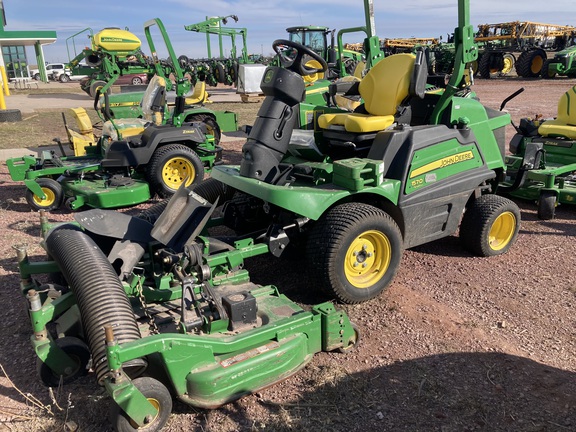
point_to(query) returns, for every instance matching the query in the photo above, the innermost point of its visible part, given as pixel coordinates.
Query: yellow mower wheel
(502, 231)
(172, 165)
(177, 170)
(367, 259)
(53, 195)
(353, 252)
(490, 225)
(158, 395)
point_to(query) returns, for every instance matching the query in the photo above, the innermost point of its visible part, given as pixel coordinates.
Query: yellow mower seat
(152, 105)
(383, 89)
(564, 125)
(199, 94)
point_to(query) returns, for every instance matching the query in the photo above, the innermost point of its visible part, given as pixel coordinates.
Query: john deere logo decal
(441, 163)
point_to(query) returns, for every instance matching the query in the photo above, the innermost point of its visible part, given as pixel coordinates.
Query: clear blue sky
(265, 20)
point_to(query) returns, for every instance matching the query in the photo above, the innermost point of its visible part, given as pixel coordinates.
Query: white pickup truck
(56, 72)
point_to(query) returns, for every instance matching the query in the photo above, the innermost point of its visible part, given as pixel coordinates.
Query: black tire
(353, 276)
(183, 61)
(546, 205)
(220, 73)
(64, 78)
(529, 64)
(136, 81)
(54, 195)
(484, 66)
(157, 394)
(36, 77)
(170, 165)
(546, 73)
(212, 126)
(233, 72)
(490, 225)
(95, 85)
(10, 115)
(78, 351)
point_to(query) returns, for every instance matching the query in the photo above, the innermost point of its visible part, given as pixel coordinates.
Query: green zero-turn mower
(156, 310)
(410, 166)
(548, 149)
(134, 158)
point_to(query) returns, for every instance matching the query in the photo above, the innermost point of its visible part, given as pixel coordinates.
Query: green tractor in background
(563, 63)
(340, 63)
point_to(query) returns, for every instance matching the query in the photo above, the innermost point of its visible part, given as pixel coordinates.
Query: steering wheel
(297, 64)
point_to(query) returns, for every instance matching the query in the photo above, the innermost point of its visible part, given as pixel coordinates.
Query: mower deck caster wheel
(158, 395)
(53, 192)
(546, 205)
(75, 349)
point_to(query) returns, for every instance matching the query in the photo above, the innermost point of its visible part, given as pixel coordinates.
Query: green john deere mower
(412, 165)
(158, 305)
(155, 311)
(550, 147)
(134, 159)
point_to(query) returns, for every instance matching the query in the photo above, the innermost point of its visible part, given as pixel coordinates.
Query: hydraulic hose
(99, 295)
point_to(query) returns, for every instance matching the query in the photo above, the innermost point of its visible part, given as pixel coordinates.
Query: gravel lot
(457, 343)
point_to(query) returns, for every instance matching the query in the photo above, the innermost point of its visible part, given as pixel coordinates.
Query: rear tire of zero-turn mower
(157, 394)
(212, 126)
(170, 165)
(354, 251)
(78, 351)
(54, 195)
(546, 205)
(490, 225)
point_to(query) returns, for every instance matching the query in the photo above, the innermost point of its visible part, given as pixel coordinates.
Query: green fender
(310, 202)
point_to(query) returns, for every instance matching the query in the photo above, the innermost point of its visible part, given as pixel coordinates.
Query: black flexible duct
(99, 294)
(212, 189)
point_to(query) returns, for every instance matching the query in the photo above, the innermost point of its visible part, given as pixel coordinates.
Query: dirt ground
(457, 342)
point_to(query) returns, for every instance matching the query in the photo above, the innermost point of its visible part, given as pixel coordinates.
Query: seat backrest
(154, 100)
(387, 84)
(199, 89)
(83, 122)
(567, 107)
